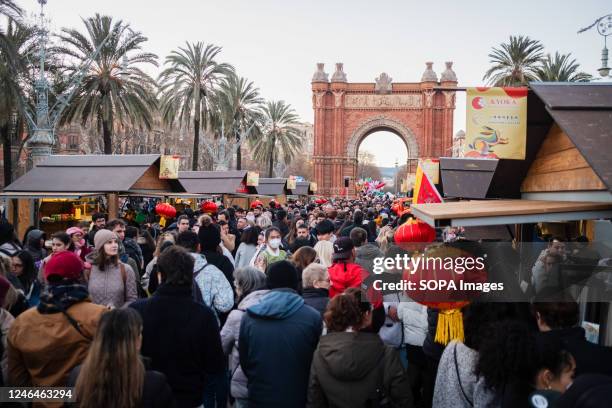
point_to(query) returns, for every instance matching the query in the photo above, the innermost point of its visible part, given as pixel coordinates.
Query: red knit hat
(65, 265)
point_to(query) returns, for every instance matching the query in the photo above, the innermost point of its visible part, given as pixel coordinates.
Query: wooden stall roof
(94, 174)
(584, 112)
(215, 182)
(500, 212)
(302, 188)
(272, 186)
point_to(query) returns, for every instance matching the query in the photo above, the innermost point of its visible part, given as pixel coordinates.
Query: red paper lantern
(320, 201)
(165, 210)
(414, 231)
(209, 207)
(256, 204)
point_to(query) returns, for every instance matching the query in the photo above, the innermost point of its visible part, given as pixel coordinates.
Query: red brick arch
(421, 114)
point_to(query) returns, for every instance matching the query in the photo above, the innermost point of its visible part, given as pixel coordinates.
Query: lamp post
(395, 182)
(604, 28)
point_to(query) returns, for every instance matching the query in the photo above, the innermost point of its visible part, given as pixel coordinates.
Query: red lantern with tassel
(209, 207)
(165, 210)
(414, 231)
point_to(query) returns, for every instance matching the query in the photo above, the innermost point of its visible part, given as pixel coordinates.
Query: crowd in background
(273, 306)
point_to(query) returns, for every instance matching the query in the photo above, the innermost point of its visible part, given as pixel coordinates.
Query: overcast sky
(276, 43)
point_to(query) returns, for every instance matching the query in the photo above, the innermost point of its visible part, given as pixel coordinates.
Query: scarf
(64, 295)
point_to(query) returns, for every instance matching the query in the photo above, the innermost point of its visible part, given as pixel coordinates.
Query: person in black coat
(315, 287)
(120, 378)
(557, 318)
(277, 339)
(180, 336)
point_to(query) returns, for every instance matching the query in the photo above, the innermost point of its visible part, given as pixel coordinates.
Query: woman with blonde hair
(325, 250)
(113, 375)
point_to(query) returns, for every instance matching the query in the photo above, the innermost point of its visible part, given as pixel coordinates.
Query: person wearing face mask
(272, 253)
(110, 281)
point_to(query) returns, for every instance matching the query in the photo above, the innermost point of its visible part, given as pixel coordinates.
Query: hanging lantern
(414, 231)
(320, 201)
(440, 268)
(209, 207)
(165, 210)
(256, 204)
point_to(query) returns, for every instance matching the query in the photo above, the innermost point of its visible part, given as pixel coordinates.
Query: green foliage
(115, 90)
(522, 60)
(187, 87)
(279, 137)
(561, 68)
(514, 63)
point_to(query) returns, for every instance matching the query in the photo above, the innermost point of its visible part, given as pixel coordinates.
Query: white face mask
(274, 243)
(332, 238)
(250, 218)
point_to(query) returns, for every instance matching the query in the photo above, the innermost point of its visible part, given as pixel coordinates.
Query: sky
(276, 43)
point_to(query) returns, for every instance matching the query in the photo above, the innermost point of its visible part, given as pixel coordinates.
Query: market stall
(561, 188)
(233, 187)
(69, 188)
(272, 189)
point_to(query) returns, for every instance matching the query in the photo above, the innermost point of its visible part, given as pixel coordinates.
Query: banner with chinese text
(496, 123)
(169, 167)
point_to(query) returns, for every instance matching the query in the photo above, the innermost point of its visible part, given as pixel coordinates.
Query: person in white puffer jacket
(413, 316)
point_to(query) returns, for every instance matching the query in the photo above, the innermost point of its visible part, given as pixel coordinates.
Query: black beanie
(7, 232)
(282, 274)
(209, 235)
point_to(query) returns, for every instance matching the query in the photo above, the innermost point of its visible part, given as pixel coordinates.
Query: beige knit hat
(102, 237)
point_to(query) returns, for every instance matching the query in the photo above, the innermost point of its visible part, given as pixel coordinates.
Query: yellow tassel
(450, 326)
(162, 222)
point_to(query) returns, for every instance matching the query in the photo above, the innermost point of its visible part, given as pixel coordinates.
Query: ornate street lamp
(44, 118)
(604, 28)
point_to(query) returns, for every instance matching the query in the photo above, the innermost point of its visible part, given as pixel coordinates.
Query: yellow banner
(432, 168)
(496, 123)
(291, 183)
(313, 186)
(169, 167)
(252, 179)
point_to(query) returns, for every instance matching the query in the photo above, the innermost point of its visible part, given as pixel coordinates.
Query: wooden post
(113, 206)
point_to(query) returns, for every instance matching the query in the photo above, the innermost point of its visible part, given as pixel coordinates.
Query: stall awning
(58, 194)
(302, 188)
(499, 212)
(272, 186)
(215, 182)
(98, 173)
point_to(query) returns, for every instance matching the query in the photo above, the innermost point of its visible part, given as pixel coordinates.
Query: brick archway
(420, 113)
(379, 123)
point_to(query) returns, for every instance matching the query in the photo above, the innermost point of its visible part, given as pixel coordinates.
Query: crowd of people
(272, 306)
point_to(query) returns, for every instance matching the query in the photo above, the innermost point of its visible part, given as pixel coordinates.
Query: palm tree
(240, 108)
(9, 9)
(514, 63)
(561, 68)
(279, 135)
(187, 86)
(14, 79)
(114, 90)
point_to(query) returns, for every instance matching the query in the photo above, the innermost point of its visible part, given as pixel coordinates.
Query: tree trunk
(196, 145)
(271, 164)
(238, 154)
(6, 153)
(107, 137)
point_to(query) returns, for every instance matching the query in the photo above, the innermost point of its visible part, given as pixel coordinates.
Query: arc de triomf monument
(420, 113)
